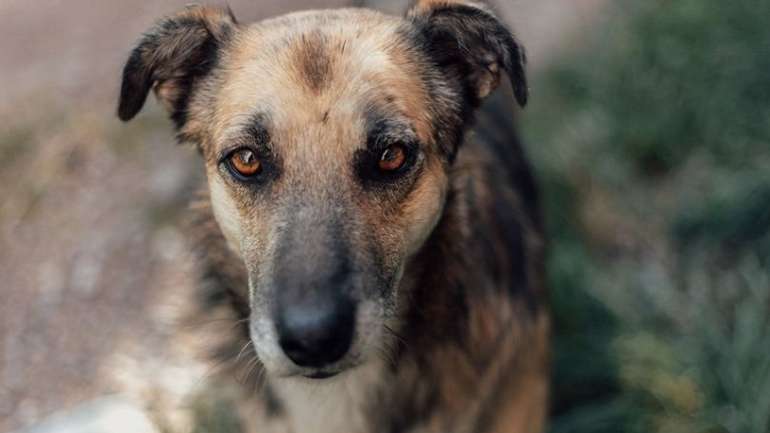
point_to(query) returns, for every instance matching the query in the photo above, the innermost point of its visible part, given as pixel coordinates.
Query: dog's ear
(175, 53)
(468, 40)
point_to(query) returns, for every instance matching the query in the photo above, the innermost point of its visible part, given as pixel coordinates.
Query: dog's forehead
(321, 68)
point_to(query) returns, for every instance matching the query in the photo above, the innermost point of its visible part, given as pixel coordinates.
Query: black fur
(496, 126)
(178, 51)
(385, 129)
(463, 40)
(459, 43)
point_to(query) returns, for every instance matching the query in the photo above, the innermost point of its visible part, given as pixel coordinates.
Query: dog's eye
(392, 158)
(387, 163)
(245, 162)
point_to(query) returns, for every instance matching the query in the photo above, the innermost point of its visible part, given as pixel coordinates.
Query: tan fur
(322, 129)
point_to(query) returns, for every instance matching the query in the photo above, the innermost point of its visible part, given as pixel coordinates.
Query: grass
(652, 143)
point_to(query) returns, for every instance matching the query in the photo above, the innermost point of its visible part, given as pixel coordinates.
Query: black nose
(316, 334)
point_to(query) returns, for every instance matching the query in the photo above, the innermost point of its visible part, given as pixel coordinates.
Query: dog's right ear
(467, 40)
(174, 54)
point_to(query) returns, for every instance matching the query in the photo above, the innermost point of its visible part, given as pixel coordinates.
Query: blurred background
(649, 130)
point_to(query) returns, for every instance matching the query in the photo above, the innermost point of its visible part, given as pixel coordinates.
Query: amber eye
(393, 158)
(245, 162)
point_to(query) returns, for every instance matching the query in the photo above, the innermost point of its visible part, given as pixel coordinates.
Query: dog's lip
(329, 372)
(320, 375)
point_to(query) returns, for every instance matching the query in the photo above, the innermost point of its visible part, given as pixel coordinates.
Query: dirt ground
(89, 207)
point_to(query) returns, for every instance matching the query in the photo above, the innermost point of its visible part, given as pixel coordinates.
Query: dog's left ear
(467, 40)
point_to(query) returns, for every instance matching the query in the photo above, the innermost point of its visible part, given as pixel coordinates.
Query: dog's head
(327, 137)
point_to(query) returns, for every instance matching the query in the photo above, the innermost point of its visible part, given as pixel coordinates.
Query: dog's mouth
(327, 372)
(305, 359)
(320, 375)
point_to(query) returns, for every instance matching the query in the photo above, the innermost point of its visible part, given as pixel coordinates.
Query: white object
(113, 414)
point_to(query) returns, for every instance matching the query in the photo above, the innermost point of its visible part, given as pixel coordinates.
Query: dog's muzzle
(314, 313)
(318, 333)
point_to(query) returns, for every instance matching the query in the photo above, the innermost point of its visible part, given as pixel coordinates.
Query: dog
(370, 228)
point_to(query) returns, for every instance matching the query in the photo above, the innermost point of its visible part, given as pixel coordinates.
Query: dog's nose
(317, 334)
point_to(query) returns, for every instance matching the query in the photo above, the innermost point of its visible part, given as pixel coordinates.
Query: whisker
(197, 323)
(395, 334)
(387, 354)
(260, 379)
(249, 367)
(245, 346)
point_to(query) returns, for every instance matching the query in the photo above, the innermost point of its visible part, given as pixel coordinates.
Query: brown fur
(314, 63)
(458, 342)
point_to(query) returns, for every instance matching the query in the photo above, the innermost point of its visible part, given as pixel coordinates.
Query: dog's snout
(315, 312)
(317, 334)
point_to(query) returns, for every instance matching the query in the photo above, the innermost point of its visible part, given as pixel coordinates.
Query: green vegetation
(652, 143)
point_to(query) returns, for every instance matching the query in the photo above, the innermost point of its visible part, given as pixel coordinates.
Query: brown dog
(384, 266)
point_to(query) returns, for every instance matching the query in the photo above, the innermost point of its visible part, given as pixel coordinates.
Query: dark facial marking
(254, 137)
(386, 130)
(313, 60)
